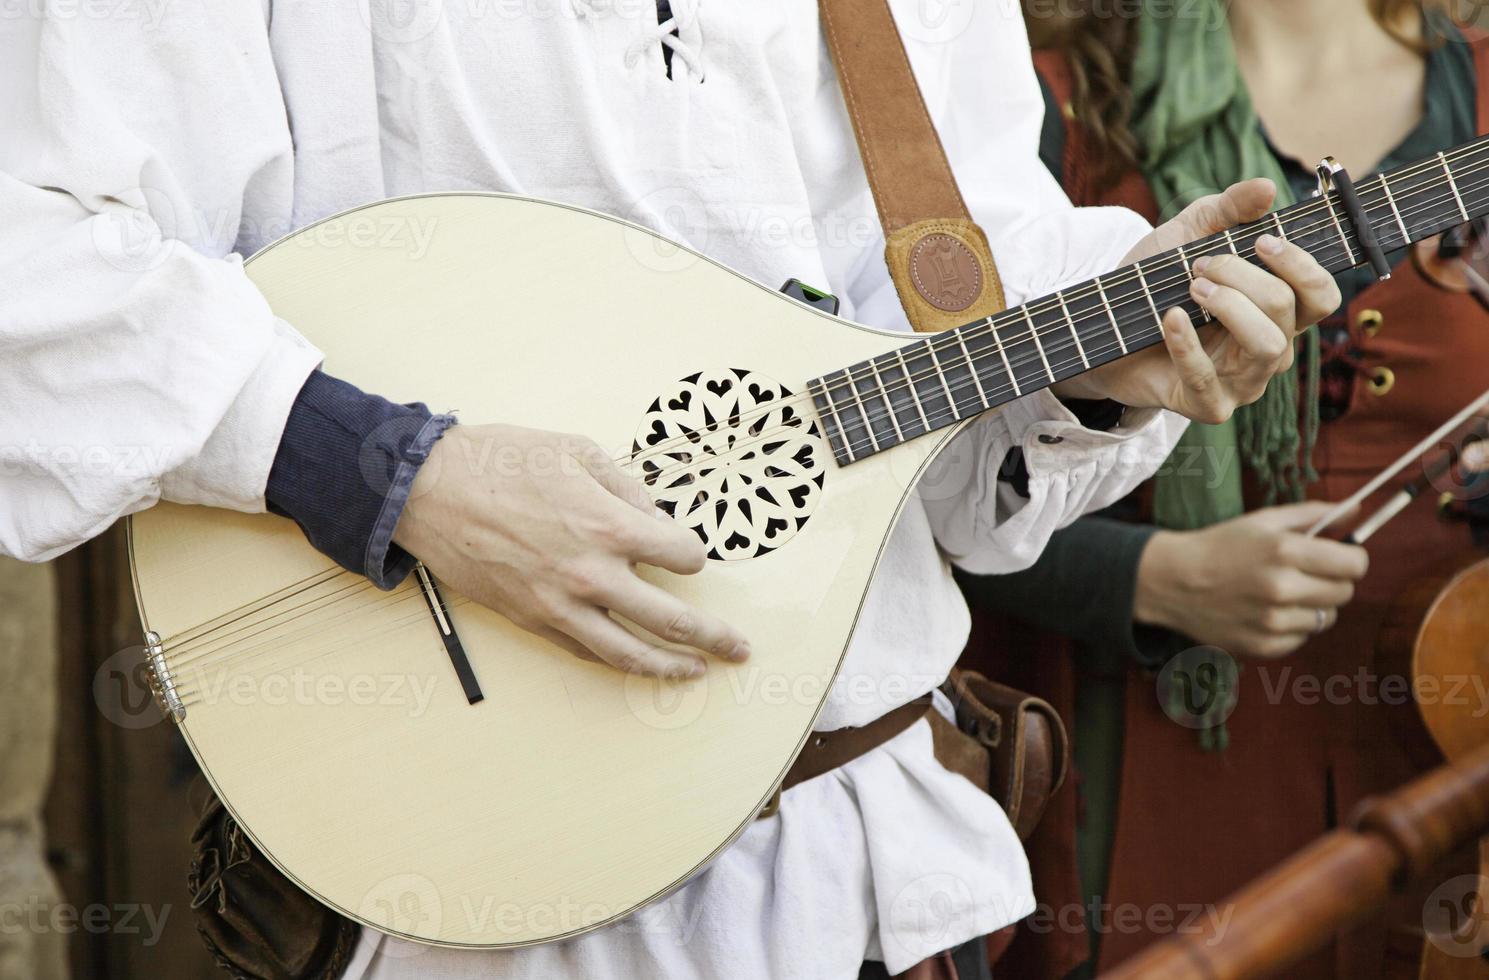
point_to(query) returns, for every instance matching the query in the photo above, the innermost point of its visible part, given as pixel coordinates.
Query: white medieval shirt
(216, 126)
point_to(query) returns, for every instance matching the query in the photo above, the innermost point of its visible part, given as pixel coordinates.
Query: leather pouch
(1008, 743)
(257, 923)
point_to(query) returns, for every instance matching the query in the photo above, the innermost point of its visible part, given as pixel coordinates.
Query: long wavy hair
(1099, 38)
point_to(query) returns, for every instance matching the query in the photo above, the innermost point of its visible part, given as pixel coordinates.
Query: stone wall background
(28, 716)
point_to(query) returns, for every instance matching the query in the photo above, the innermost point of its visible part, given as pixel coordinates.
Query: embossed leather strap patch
(938, 257)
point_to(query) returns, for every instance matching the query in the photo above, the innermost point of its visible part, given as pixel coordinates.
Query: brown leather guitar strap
(938, 257)
(1006, 742)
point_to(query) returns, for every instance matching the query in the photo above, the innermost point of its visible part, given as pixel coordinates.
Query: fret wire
(1395, 211)
(1454, 185)
(884, 397)
(1316, 237)
(1152, 305)
(1339, 227)
(1391, 199)
(976, 379)
(868, 424)
(1034, 332)
(913, 385)
(1189, 271)
(941, 373)
(1116, 327)
(832, 414)
(1070, 320)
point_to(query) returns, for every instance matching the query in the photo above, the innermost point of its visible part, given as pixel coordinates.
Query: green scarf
(1199, 132)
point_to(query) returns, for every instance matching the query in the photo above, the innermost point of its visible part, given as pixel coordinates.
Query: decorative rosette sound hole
(730, 454)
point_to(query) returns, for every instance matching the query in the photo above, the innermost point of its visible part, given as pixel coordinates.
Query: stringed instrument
(420, 764)
(1441, 628)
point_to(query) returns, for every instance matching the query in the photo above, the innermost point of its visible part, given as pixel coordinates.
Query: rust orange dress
(1191, 826)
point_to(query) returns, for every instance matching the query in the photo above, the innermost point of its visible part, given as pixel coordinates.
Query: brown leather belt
(826, 751)
(1007, 743)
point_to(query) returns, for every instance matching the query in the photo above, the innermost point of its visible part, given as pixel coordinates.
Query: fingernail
(1204, 288)
(741, 651)
(1269, 245)
(697, 669)
(1200, 264)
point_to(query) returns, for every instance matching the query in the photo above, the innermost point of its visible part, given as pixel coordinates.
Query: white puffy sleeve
(978, 80)
(137, 362)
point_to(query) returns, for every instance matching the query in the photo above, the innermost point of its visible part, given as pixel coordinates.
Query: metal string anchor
(162, 683)
(1333, 177)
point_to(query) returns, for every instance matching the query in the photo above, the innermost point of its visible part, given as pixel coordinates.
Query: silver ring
(1323, 620)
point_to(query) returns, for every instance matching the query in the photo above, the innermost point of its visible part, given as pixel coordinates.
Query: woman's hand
(547, 530)
(1253, 585)
(1205, 375)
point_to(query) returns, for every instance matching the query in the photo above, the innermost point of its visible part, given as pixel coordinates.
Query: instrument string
(1058, 332)
(874, 410)
(310, 629)
(195, 687)
(203, 646)
(192, 671)
(217, 622)
(1062, 351)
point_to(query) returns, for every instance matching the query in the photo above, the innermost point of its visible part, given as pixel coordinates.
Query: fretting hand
(547, 530)
(1206, 374)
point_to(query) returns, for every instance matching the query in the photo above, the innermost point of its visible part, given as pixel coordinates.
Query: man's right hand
(1253, 585)
(546, 530)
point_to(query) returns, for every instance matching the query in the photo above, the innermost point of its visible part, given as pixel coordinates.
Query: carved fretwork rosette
(730, 454)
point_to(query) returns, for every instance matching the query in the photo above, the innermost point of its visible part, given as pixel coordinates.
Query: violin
(1439, 631)
(1441, 628)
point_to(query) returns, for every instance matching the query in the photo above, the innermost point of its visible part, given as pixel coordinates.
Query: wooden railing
(1341, 879)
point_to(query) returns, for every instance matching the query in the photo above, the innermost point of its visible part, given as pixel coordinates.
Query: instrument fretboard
(947, 377)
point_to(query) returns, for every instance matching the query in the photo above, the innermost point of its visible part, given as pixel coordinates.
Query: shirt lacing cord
(675, 18)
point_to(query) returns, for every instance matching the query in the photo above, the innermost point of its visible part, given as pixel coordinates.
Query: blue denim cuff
(387, 564)
(344, 469)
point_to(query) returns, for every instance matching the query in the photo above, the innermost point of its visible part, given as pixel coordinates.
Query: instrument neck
(941, 380)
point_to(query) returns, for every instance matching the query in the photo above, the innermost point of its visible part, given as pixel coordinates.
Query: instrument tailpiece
(162, 684)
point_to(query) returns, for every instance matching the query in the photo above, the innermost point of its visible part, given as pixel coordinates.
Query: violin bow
(1399, 502)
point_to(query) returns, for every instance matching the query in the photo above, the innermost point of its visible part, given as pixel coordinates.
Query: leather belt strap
(826, 751)
(938, 257)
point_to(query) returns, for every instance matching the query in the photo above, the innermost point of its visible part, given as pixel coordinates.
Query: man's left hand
(1206, 374)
